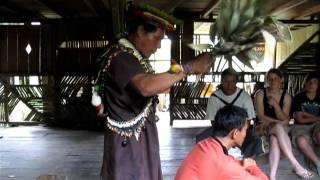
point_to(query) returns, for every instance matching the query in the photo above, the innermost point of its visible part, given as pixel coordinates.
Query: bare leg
(274, 157)
(307, 149)
(318, 143)
(285, 146)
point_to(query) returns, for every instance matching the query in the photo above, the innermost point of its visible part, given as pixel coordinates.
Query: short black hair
(312, 75)
(229, 72)
(228, 118)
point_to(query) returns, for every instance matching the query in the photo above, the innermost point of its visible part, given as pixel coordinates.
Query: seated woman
(273, 108)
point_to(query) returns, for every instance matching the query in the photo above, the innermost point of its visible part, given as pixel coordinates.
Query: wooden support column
(187, 37)
(174, 36)
(184, 31)
(317, 56)
(318, 53)
(117, 13)
(6, 106)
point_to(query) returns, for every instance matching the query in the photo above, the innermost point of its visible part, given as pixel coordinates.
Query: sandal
(304, 174)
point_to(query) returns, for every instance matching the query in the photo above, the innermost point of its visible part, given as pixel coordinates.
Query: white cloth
(236, 153)
(243, 101)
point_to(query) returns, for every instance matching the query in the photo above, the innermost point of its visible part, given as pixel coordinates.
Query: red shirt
(207, 161)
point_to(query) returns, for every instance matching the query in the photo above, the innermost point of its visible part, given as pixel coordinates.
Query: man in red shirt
(209, 159)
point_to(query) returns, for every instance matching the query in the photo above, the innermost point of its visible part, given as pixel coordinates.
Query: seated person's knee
(301, 140)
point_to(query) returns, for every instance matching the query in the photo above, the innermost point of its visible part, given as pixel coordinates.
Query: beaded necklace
(132, 126)
(143, 61)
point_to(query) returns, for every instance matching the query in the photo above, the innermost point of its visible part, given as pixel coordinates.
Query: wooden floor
(28, 152)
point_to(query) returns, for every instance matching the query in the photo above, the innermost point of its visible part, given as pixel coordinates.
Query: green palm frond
(234, 19)
(244, 58)
(279, 30)
(238, 28)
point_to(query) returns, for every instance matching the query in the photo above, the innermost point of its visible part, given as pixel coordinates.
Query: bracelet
(187, 68)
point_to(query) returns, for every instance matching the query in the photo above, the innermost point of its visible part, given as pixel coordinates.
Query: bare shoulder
(259, 93)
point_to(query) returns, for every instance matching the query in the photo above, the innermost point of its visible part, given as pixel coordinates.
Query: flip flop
(304, 174)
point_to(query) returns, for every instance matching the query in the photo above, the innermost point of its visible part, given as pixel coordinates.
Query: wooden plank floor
(27, 152)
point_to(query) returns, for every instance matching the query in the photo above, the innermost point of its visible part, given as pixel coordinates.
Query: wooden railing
(37, 98)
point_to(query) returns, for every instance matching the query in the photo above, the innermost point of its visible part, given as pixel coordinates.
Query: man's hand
(248, 162)
(201, 63)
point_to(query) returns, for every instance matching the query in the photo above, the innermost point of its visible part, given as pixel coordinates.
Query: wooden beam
(213, 4)
(54, 7)
(297, 21)
(270, 6)
(314, 7)
(6, 10)
(98, 7)
(287, 6)
(90, 5)
(302, 21)
(16, 8)
(302, 10)
(174, 4)
(106, 4)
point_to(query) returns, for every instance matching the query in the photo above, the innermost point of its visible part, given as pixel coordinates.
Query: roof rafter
(307, 10)
(173, 5)
(55, 8)
(16, 8)
(286, 6)
(210, 7)
(106, 4)
(6, 9)
(90, 5)
(99, 7)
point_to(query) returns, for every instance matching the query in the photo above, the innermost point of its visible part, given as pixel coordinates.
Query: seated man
(306, 111)
(229, 94)
(209, 159)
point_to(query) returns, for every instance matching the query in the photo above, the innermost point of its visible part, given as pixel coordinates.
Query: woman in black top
(273, 108)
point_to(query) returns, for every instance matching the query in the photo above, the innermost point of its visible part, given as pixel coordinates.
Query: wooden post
(187, 38)
(174, 36)
(117, 13)
(6, 105)
(229, 59)
(318, 54)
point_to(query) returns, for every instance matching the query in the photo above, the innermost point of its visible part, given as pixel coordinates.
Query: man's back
(209, 160)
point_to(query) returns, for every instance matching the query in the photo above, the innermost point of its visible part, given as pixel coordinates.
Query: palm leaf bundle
(238, 28)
